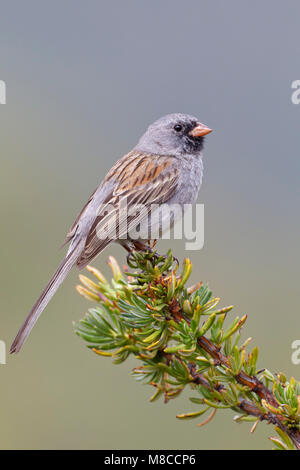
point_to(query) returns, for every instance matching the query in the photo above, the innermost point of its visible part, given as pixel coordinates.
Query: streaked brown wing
(139, 179)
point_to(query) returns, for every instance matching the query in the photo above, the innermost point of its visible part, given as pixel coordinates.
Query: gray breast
(189, 181)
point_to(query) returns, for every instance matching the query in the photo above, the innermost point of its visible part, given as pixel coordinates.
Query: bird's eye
(178, 127)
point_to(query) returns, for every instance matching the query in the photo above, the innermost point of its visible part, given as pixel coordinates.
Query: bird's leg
(153, 243)
(126, 246)
(140, 246)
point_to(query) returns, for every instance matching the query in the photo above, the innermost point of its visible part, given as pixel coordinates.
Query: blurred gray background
(84, 79)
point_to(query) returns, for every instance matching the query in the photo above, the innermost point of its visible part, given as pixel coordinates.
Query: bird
(165, 167)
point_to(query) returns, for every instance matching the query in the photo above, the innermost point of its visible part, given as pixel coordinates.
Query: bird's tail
(47, 294)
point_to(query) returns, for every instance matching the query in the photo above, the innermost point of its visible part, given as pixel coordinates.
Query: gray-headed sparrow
(165, 167)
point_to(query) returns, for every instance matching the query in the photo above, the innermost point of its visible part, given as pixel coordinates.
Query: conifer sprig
(182, 338)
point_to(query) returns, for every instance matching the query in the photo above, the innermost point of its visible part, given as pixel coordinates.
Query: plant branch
(178, 334)
(251, 409)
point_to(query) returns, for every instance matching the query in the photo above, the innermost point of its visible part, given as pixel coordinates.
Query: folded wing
(137, 180)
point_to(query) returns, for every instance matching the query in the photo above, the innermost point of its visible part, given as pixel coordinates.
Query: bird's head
(174, 134)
